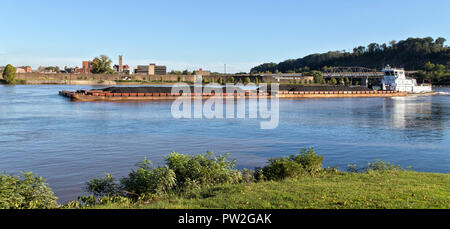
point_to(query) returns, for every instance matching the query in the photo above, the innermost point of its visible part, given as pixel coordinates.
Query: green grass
(341, 190)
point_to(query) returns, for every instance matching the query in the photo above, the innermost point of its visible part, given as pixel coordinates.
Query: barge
(164, 93)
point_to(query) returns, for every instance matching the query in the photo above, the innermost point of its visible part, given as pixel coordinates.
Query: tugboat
(395, 80)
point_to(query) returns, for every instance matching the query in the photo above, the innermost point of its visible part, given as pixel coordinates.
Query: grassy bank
(211, 181)
(375, 190)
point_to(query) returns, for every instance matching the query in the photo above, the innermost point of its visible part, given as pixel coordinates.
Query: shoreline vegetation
(210, 181)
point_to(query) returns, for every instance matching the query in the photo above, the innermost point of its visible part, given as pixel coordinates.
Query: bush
(381, 166)
(377, 166)
(205, 169)
(25, 192)
(101, 187)
(149, 180)
(308, 162)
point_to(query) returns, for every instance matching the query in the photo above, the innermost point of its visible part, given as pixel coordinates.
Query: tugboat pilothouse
(395, 80)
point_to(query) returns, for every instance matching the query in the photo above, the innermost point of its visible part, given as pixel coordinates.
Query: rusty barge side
(98, 95)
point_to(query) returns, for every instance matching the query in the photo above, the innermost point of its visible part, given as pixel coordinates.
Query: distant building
(151, 69)
(121, 68)
(70, 70)
(48, 69)
(202, 72)
(24, 69)
(86, 67)
(125, 69)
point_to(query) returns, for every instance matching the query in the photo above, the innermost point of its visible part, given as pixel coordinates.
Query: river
(69, 143)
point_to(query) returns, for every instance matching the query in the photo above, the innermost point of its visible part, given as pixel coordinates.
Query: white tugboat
(396, 80)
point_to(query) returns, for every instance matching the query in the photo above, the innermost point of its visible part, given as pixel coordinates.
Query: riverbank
(294, 182)
(89, 82)
(342, 190)
(209, 181)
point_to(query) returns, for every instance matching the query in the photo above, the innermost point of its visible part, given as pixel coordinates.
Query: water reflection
(416, 117)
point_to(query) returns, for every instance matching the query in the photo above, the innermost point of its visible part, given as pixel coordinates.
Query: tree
(53, 69)
(373, 47)
(347, 81)
(101, 65)
(333, 81)
(410, 54)
(440, 42)
(9, 74)
(429, 66)
(318, 77)
(247, 80)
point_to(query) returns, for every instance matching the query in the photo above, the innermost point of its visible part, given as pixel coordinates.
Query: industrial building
(121, 68)
(203, 72)
(151, 69)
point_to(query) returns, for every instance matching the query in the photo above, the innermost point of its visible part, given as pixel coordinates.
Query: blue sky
(206, 34)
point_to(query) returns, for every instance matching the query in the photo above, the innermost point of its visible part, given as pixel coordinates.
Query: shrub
(25, 192)
(248, 176)
(149, 180)
(101, 187)
(381, 166)
(258, 174)
(281, 168)
(377, 166)
(206, 169)
(308, 162)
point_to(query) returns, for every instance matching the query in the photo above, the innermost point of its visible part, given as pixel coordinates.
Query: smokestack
(120, 64)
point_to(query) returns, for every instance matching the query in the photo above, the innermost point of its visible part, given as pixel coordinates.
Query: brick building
(24, 69)
(86, 67)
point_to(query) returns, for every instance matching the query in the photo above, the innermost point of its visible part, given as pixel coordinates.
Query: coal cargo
(321, 88)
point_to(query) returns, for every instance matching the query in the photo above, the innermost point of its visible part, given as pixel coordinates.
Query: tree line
(411, 54)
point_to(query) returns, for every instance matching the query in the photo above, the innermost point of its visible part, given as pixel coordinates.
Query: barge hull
(101, 96)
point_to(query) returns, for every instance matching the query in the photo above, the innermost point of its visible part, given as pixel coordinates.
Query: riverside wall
(48, 78)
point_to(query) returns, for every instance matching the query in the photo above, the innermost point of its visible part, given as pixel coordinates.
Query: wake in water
(442, 93)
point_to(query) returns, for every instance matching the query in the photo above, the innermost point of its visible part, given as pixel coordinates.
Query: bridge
(338, 72)
(351, 72)
(363, 75)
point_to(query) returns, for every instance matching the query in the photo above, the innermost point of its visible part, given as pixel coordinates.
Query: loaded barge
(165, 93)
